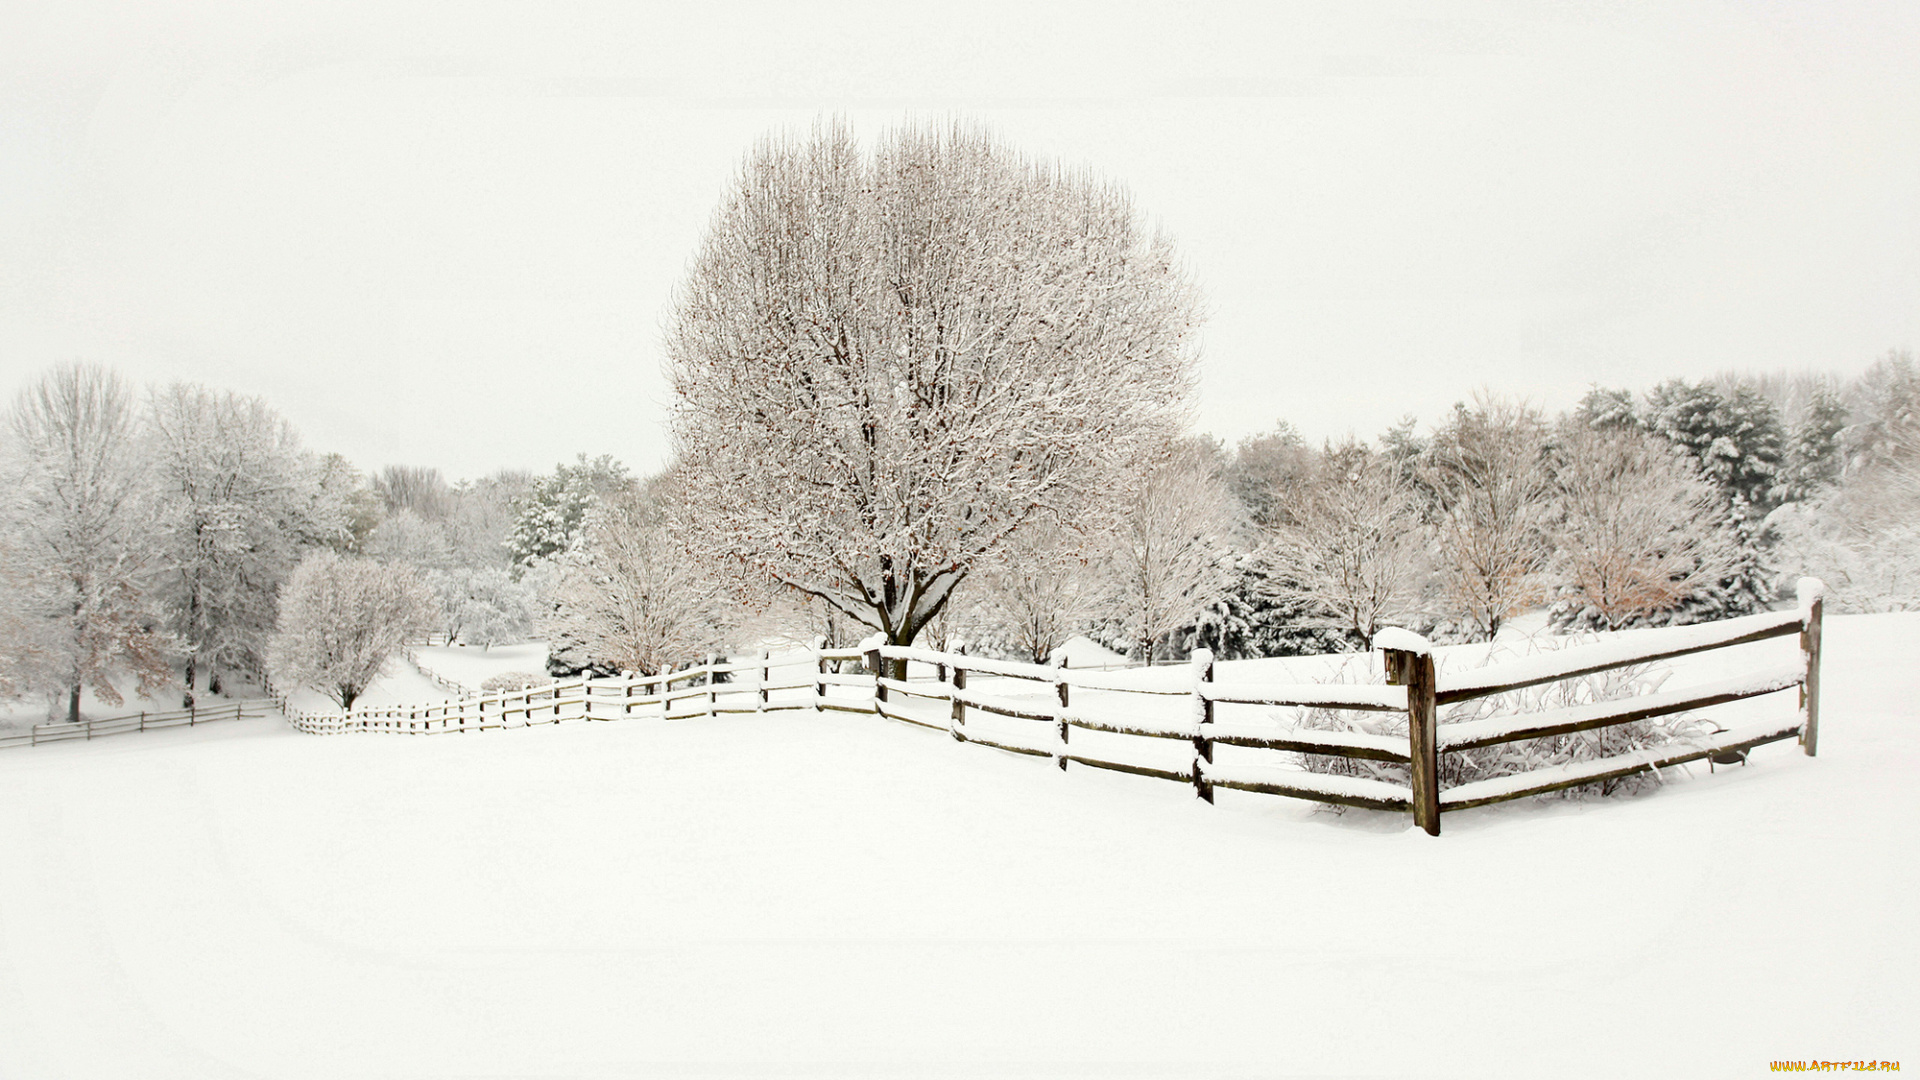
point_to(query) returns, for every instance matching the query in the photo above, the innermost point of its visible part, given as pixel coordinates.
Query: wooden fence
(1047, 706)
(61, 731)
(710, 689)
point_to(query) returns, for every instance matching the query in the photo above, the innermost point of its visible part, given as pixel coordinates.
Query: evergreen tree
(1736, 440)
(1602, 409)
(1814, 456)
(553, 514)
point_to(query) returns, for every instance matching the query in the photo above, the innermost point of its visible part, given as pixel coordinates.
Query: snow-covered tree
(237, 497)
(79, 513)
(1487, 470)
(1170, 555)
(342, 497)
(1736, 439)
(481, 605)
(1885, 402)
(1862, 534)
(1268, 471)
(1603, 409)
(403, 536)
(415, 488)
(341, 618)
(1355, 554)
(1640, 530)
(884, 363)
(629, 596)
(1814, 455)
(482, 518)
(1257, 616)
(553, 512)
(1037, 591)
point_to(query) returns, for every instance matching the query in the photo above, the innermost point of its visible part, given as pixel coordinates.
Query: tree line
(937, 389)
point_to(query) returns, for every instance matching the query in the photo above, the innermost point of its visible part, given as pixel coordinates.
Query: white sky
(448, 236)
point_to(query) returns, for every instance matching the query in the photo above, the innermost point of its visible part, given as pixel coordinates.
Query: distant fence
(61, 731)
(1113, 712)
(706, 690)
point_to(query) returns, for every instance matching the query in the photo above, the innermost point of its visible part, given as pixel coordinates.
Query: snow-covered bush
(1503, 759)
(514, 680)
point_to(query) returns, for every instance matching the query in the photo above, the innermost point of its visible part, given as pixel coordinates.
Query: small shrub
(1504, 759)
(513, 680)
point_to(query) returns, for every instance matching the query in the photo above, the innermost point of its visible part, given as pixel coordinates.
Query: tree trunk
(73, 704)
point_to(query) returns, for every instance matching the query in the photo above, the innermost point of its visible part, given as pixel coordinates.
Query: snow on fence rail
(62, 731)
(1114, 713)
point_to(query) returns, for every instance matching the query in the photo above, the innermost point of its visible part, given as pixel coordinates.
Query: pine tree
(1814, 455)
(1736, 440)
(552, 515)
(1602, 409)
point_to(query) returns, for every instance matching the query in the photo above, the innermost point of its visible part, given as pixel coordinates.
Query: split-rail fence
(61, 731)
(1104, 720)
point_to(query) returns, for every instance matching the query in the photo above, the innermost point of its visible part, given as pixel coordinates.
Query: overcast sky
(448, 236)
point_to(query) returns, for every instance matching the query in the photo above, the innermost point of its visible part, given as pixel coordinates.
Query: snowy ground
(843, 896)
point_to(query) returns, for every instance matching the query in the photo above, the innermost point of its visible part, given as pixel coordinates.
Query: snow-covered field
(838, 895)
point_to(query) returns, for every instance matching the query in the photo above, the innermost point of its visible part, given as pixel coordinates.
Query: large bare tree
(79, 508)
(885, 362)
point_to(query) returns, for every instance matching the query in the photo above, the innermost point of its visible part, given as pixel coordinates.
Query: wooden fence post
(1409, 663)
(957, 715)
(1812, 600)
(712, 697)
(1060, 689)
(1203, 721)
(874, 660)
(820, 673)
(766, 675)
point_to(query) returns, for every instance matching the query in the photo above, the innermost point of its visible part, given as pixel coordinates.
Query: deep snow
(835, 895)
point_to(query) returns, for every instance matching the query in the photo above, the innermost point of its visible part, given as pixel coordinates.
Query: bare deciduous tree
(1488, 472)
(237, 496)
(80, 515)
(1039, 589)
(887, 362)
(628, 595)
(1169, 555)
(1355, 552)
(1640, 530)
(341, 619)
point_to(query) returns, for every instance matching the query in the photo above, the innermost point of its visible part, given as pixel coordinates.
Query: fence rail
(1047, 704)
(62, 731)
